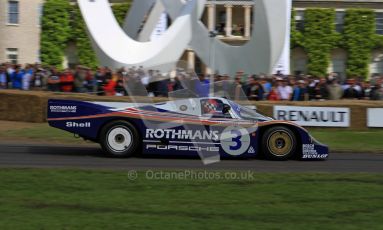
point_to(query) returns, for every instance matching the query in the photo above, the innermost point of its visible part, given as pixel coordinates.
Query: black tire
(279, 143)
(119, 139)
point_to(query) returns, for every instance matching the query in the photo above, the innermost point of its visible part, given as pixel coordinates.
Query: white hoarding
(375, 118)
(314, 116)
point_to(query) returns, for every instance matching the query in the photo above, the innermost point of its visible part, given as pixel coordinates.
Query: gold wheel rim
(280, 143)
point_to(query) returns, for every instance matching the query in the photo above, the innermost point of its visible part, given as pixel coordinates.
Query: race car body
(197, 126)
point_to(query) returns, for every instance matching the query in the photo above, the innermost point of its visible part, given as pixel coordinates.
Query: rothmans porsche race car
(198, 126)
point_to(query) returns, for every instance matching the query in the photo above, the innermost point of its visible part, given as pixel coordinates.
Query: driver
(214, 108)
(211, 106)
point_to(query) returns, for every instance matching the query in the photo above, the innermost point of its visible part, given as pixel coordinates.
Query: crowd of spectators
(310, 88)
(104, 81)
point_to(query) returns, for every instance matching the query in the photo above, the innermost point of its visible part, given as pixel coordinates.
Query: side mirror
(226, 109)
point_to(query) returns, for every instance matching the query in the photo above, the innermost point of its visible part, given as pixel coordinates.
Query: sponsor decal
(63, 109)
(183, 108)
(251, 150)
(71, 124)
(314, 116)
(309, 152)
(182, 148)
(235, 140)
(374, 117)
(182, 134)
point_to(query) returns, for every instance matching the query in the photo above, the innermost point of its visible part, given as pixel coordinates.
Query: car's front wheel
(279, 143)
(119, 139)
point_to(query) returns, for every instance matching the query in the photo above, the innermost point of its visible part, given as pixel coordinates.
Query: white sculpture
(117, 47)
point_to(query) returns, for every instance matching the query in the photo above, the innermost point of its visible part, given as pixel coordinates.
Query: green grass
(42, 132)
(68, 199)
(355, 141)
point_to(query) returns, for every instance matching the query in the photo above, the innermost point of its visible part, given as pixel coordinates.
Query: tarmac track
(91, 157)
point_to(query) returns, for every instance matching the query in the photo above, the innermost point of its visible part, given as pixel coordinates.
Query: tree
(55, 31)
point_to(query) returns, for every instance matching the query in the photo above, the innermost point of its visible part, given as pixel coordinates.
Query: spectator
(377, 91)
(90, 83)
(101, 80)
(266, 85)
(27, 78)
(350, 90)
(311, 88)
(17, 78)
(79, 79)
(359, 87)
(273, 94)
(256, 90)
(285, 91)
(275, 87)
(110, 86)
(177, 83)
(366, 90)
(320, 90)
(66, 81)
(237, 89)
(120, 89)
(108, 73)
(3, 78)
(250, 83)
(40, 79)
(54, 80)
(163, 88)
(335, 91)
(10, 69)
(159, 86)
(202, 86)
(300, 91)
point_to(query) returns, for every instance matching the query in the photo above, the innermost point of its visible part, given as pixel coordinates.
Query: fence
(32, 107)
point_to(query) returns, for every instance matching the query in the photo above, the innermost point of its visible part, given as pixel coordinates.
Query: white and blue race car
(202, 127)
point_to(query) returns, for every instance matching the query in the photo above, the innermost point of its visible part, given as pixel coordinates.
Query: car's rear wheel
(279, 143)
(119, 139)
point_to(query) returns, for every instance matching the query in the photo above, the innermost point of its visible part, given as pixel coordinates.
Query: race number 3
(235, 140)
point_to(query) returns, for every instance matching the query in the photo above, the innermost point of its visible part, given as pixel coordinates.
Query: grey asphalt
(91, 157)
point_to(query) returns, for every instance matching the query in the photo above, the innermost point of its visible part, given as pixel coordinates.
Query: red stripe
(156, 118)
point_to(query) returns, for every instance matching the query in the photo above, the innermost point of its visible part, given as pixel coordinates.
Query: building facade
(233, 21)
(20, 30)
(338, 56)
